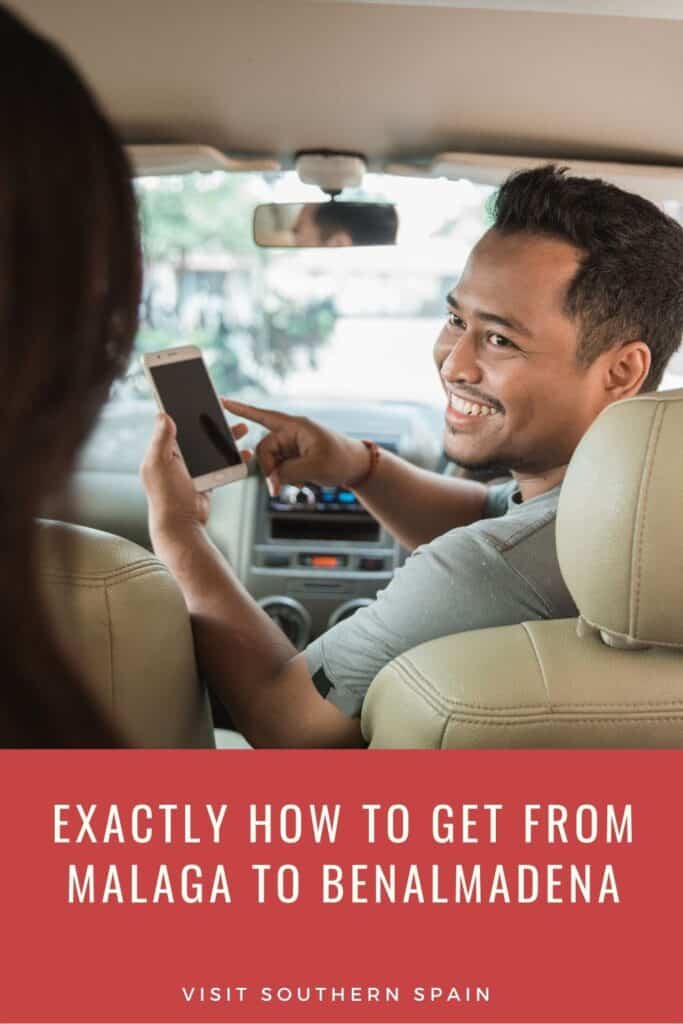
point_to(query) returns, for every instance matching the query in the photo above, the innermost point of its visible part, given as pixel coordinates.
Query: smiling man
(571, 301)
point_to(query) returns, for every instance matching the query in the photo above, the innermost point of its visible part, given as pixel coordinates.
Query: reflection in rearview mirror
(320, 225)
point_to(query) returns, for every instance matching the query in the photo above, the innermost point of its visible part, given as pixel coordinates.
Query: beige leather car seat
(119, 612)
(612, 678)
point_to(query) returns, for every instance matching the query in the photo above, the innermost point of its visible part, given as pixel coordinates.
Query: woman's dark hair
(70, 278)
(629, 285)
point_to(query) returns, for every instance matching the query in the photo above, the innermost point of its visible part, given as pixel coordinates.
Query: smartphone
(183, 389)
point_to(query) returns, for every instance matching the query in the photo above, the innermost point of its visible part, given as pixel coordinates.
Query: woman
(70, 278)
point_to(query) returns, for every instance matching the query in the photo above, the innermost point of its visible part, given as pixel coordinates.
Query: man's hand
(297, 450)
(174, 504)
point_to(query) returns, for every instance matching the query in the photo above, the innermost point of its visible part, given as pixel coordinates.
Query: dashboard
(313, 555)
(317, 556)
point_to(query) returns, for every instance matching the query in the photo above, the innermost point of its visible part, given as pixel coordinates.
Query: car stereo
(317, 556)
(314, 499)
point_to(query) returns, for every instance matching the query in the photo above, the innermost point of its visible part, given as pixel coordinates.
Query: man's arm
(413, 504)
(243, 655)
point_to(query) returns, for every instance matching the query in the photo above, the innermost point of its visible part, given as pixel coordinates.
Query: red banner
(244, 886)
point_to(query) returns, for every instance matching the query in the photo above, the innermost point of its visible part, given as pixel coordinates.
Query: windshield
(316, 323)
(324, 324)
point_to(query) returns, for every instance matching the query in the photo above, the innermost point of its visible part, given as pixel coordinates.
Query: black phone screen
(204, 437)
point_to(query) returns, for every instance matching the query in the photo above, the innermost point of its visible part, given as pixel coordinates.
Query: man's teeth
(472, 408)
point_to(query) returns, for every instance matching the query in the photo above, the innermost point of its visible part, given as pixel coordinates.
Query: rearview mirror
(333, 223)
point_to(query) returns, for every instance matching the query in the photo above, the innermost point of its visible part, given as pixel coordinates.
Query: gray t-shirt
(498, 571)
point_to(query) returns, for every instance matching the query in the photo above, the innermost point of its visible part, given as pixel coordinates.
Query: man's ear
(627, 369)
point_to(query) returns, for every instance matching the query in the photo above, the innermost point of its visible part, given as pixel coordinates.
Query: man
(573, 300)
(337, 224)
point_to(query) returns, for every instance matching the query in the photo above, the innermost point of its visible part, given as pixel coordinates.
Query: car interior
(229, 108)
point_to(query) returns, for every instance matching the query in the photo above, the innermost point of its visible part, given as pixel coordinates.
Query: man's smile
(463, 409)
(470, 407)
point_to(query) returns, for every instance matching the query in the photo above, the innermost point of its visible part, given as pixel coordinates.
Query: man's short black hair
(366, 223)
(629, 285)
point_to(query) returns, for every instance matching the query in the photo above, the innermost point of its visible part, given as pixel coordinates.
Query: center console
(317, 556)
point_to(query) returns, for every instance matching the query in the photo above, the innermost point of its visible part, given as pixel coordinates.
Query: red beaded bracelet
(373, 449)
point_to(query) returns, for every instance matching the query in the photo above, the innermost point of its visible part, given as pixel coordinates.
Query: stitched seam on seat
(538, 662)
(444, 730)
(616, 705)
(422, 685)
(117, 579)
(438, 701)
(641, 639)
(428, 693)
(111, 650)
(641, 516)
(656, 396)
(105, 579)
(139, 563)
(555, 720)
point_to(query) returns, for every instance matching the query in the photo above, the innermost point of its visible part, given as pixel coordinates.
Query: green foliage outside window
(198, 230)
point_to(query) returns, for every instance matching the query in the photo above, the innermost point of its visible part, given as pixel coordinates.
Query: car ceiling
(394, 80)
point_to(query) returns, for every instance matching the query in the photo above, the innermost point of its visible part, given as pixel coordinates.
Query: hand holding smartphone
(182, 387)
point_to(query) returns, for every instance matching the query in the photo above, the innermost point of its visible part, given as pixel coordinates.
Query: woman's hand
(174, 504)
(297, 450)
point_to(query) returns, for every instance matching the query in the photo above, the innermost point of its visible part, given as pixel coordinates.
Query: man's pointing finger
(266, 417)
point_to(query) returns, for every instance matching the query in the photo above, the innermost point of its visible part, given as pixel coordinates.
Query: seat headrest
(121, 617)
(619, 522)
